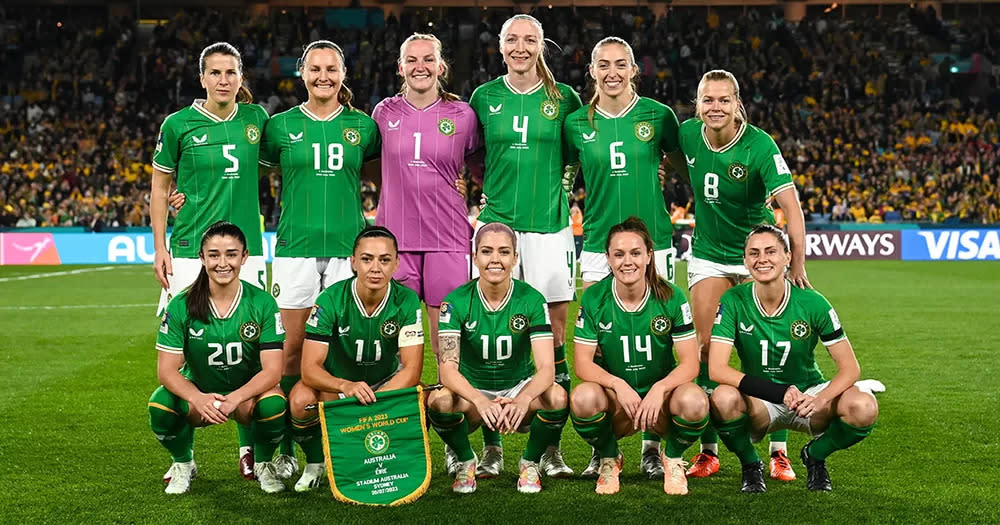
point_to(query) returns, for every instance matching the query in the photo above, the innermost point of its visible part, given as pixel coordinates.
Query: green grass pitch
(77, 365)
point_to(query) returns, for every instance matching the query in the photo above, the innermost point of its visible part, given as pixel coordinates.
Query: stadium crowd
(872, 123)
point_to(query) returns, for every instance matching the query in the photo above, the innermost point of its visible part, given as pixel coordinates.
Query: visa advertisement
(87, 248)
(44, 248)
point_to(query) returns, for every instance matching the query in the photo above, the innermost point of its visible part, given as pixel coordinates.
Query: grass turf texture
(75, 445)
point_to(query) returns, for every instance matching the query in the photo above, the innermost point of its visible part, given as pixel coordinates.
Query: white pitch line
(79, 306)
(55, 274)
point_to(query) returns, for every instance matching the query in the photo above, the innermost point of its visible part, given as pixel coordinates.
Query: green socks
(736, 436)
(598, 433)
(309, 436)
(709, 435)
(286, 384)
(546, 429)
(454, 431)
(681, 434)
(838, 436)
(491, 438)
(168, 421)
(268, 427)
(562, 368)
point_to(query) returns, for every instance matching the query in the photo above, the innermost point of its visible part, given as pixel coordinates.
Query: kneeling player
(219, 358)
(364, 335)
(774, 327)
(492, 329)
(633, 318)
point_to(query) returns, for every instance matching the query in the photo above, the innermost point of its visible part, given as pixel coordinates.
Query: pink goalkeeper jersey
(422, 153)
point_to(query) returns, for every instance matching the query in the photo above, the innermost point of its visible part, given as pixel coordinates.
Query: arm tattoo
(449, 349)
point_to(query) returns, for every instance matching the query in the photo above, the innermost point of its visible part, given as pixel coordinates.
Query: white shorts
(547, 262)
(782, 418)
(297, 281)
(186, 271)
(510, 393)
(699, 269)
(594, 266)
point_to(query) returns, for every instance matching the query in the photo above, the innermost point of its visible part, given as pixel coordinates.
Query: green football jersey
(364, 347)
(215, 165)
(320, 163)
(524, 154)
(495, 344)
(619, 156)
(731, 186)
(778, 347)
(223, 354)
(635, 346)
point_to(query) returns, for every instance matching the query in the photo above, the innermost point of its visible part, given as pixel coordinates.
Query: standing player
(427, 134)
(619, 139)
(522, 114)
(219, 358)
(774, 327)
(496, 363)
(635, 319)
(320, 147)
(734, 169)
(364, 335)
(211, 149)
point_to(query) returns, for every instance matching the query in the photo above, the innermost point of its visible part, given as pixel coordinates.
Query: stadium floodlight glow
(954, 69)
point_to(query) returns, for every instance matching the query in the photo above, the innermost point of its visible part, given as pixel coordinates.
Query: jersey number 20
(231, 354)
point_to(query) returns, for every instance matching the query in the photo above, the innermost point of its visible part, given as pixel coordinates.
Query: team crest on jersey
(738, 171)
(800, 330)
(249, 331)
(376, 442)
(389, 329)
(518, 323)
(446, 126)
(352, 136)
(644, 131)
(275, 290)
(253, 133)
(660, 325)
(550, 109)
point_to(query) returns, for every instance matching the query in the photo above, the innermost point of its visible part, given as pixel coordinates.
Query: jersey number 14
(642, 346)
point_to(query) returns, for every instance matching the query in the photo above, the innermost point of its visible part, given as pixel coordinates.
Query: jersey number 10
(505, 347)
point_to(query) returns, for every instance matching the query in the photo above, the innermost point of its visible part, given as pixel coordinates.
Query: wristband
(763, 388)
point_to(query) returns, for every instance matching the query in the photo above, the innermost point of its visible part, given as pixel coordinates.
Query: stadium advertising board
(87, 248)
(951, 245)
(854, 245)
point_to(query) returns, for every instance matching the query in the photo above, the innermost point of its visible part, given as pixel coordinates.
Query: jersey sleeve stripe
(271, 346)
(719, 339)
(263, 162)
(162, 168)
(582, 341)
(541, 335)
(782, 188)
(828, 344)
(449, 332)
(319, 338)
(170, 349)
(837, 334)
(683, 329)
(683, 337)
(540, 328)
